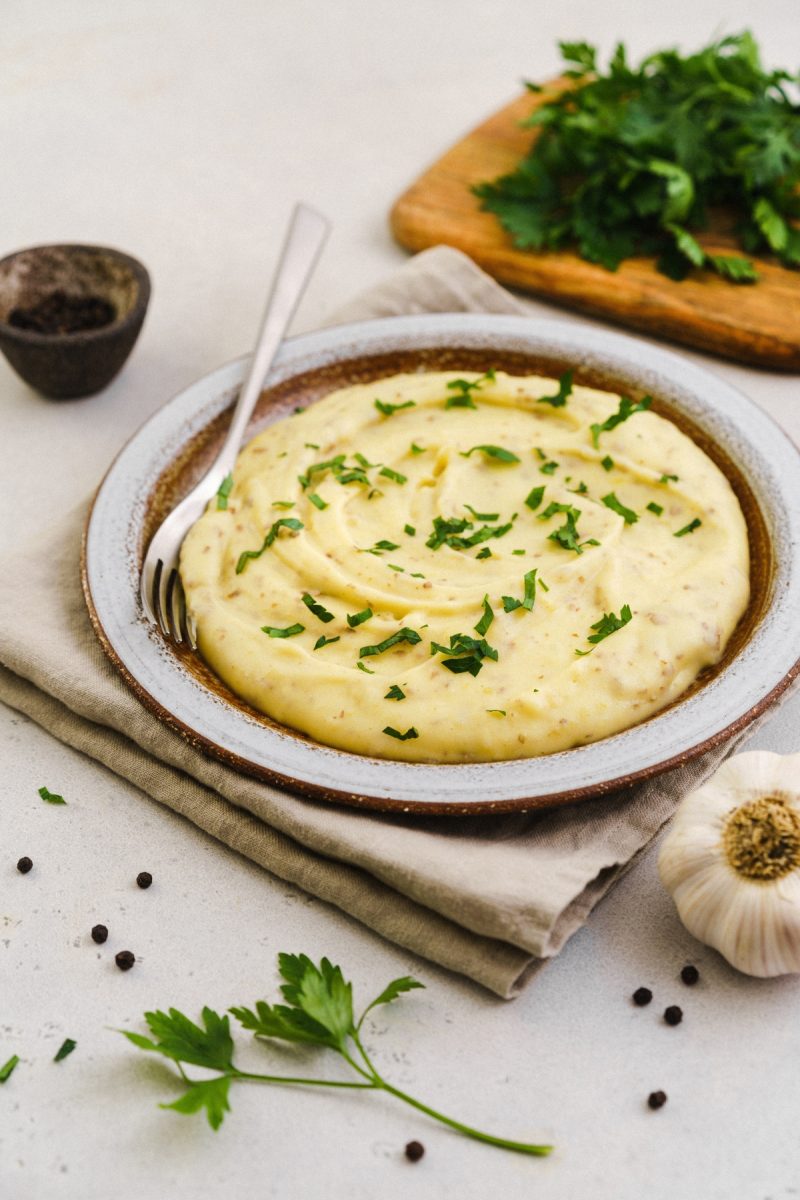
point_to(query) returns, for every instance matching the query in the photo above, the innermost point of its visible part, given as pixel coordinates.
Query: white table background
(183, 132)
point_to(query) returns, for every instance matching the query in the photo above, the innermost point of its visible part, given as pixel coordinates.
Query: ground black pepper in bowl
(60, 312)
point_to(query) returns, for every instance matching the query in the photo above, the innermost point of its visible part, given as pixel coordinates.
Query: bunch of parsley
(317, 1013)
(635, 161)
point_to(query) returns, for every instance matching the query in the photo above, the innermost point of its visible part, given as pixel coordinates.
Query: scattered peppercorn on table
(184, 133)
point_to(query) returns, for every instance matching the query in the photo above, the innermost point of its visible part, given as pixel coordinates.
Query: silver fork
(162, 594)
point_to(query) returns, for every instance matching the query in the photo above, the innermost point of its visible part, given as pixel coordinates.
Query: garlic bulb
(731, 862)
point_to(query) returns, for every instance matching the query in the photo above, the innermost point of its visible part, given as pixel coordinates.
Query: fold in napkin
(490, 897)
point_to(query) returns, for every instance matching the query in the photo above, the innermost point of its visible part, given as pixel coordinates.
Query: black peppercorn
(657, 1099)
(690, 975)
(642, 996)
(125, 960)
(24, 865)
(99, 934)
(414, 1151)
(673, 1015)
(144, 879)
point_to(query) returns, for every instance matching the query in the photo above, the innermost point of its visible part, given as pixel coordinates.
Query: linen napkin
(490, 897)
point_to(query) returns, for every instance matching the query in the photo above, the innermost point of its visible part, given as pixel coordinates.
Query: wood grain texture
(757, 324)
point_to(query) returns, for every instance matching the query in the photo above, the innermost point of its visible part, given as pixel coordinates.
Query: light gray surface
(183, 133)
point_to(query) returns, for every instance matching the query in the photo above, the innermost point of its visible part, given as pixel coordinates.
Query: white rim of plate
(763, 667)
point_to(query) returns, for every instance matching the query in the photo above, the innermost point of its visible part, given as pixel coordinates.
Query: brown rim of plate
(305, 388)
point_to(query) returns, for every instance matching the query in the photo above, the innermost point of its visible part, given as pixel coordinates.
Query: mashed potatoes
(446, 568)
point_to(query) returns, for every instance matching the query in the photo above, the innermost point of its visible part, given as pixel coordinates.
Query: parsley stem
(236, 1074)
(505, 1143)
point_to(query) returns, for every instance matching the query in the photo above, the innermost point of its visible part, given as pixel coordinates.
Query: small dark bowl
(67, 365)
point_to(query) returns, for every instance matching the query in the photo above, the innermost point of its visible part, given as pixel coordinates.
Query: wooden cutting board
(757, 323)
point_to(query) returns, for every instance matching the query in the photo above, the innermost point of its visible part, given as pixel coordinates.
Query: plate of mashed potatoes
(462, 563)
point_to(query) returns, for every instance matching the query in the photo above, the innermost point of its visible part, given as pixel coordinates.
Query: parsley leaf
(626, 409)
(690, 528)
(324, 641)
(401, 737)
(463, 389)
(290, 631)
(607, 463)
(562, 395)
(66, 1047)
(403, 635)
(488, 616)
(8, 1067)
(224, 491)
(534, 497)
(609, 623)
(317, 501)
(395, 692)
(51, 797)
(284, 523)
(627, 514)
(211, 1095)
(655, 508)
(316, 608)
(388, 473)
(451, 531)
(482, 516)
(355, 619)
(467, 653)
(389, 410)
(495, 452)
(510, 604)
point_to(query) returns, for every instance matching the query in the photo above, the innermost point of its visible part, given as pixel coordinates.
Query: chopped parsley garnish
(627, 514)
(324, 641)
(567, 536)
(66, 1047)
(668, 479)
(401, 737)
(626, 409)
(488, 616)
(690, 528)
(607, 463)
(395, 693)
(463, 390)
(468, 653)
(534, 497)
(510, 604)
(364, 462)
(379, 547)
(484, 553)
(389, 409)
(548, 468)
(563, 393)
(316, 608)
(311, 445)
(580, 490)
(394, 567)
(388, 473)
(317, 501)
(499, 712)
(224, 490)
(417, 575)
(335, 464)
(353, 475)
(451, 530)
(283, 503)
(290, 631)
(363, 667)
(51, 797)
(8, 1067)
(540, 454)
(355, 619)
(609, 623)
(403, 635)
(520, 552)
(482, 516)
(284, 523)
(410, 530)
(415, 449)
(655, 508)
(495, 452)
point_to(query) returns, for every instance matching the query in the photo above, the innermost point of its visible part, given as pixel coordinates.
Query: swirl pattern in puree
(549, 565)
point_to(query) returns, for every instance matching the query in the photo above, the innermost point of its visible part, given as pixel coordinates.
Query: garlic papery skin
(731, 862)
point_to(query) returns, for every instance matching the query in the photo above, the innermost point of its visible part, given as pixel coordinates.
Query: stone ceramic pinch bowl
(68, 365)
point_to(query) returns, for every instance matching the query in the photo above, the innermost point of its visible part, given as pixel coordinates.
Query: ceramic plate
(172, 450)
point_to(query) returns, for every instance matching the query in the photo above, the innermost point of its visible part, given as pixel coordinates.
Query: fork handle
(304, 241)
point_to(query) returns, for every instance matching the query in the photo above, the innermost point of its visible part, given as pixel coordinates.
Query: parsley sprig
(317, 1012)
(633, 160)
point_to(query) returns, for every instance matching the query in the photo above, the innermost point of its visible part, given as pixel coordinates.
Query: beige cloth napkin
(490, 897)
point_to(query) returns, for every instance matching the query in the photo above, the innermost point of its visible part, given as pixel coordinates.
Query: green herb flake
(224, 490)
(283, 503)
(607, 463)
(389, 410)
(690, 528)
(415, 449)
(510, 604)
(51, 797)
(408, 736)
(482, 516)
(324, 641)
(534, 497)
(317, 501)
(548, 468)
(66, 1047)
(655, 508)
(519, 553)
(626, 409)
(316, 608)
(356, 619)
(451, 531)
(668, 479)
(8, 1067)
(627, 514)
(563, 393)
(467, 653)
(311, 445)
(395, 692)
(540, 454)
(363, 667)
(580, 490)
(274, 631)
(463, 389)
(395, 476)
(497, 453)
(403, 635)
(484, 553)
(498, 712)
(609, 623)
(284, 523)
(410, 530)
(488, 616)
(417, 575)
